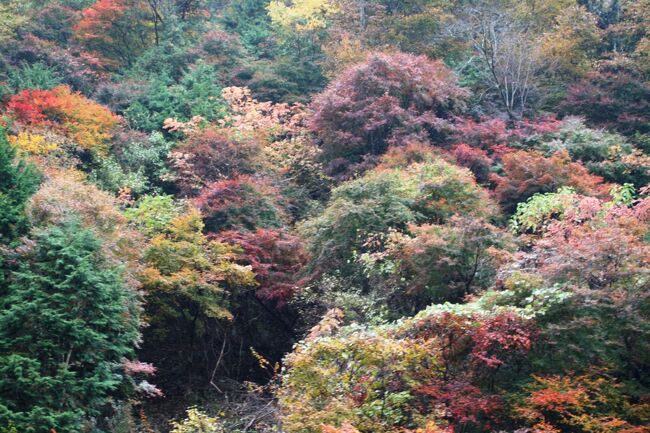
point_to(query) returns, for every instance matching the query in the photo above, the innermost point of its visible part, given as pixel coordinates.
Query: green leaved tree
(18, 181)
(66, 325)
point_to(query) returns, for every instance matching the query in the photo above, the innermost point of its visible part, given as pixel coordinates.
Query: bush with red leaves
(87, 123)
(210, 155)
(494, 135)
(483, 134)
(613, 96)
(501, 340)
(465, 404)
(474, 348)
(383, 100)
(243, 203)
(474, 158)
(528, 173)
(117, 31)
(276, 258)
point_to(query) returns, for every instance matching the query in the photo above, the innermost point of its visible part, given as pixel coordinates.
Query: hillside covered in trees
(324, 216)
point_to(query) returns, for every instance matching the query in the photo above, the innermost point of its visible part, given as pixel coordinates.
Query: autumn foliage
(275, 256)
(243, 203)
(528, 173)
(382, 101)
(435, 369)
(115, 30)
(614, 96)
(88, 124)
(324, 216)
(211, 155)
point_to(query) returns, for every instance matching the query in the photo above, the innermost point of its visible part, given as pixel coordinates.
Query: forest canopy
(324, 216)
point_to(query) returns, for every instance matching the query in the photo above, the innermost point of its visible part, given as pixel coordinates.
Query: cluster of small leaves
(534, 215)
(276, 258)
(197, 422)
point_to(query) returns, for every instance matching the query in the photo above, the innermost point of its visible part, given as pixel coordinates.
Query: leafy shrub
(33, 144)
(118, 95)
(614, 96)
(429, 371)
(32, 76)
(495, 135)
(153, 214)
(115, 30)
(588, 402)
(437, 263)
(582, 143)
(298, 160)
(223, 50)
(383, 100)
(596, 251)
(535, 214)
(211, 155)
(383, 199)
(197, 422)
(475, 159)
(137, 164)
(86, 123)
(77, 69)
(184, 255)
(242, 203)
(484, 134)
(365, 379)
(412, 152)
(54, 22)
(528, 173)
(275, 256)
(169, 60)
(605, 154)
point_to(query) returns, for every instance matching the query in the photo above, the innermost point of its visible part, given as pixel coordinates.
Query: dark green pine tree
(18, 181)
(66, 324)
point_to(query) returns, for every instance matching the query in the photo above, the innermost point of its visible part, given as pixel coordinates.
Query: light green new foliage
(139, 165)
(153, 213)
(527, 294)
(12, 17)
(582, 143)
(362, 376)
(302, 16)
(538, 211)
(604, 153)
(622, 195)
(535, 214)
(197, 422)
